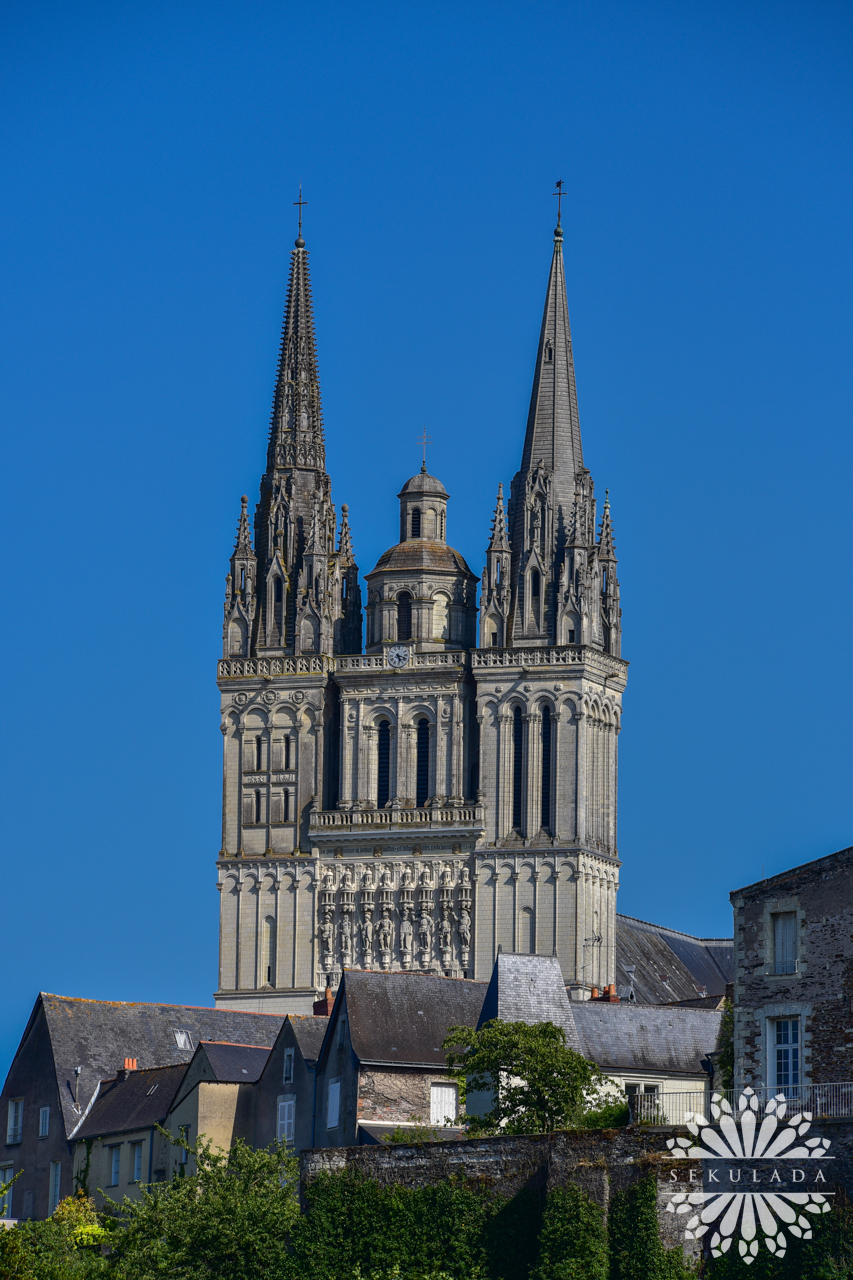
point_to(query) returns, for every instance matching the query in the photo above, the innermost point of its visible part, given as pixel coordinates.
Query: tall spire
(498, 540)
(296, 429)
(553, 427)
(606, 547)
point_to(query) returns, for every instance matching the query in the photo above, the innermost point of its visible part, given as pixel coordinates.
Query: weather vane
(300, 202)
(425, 440)
(558, 193)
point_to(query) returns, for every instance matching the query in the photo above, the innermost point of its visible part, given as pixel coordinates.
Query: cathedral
(418, 780)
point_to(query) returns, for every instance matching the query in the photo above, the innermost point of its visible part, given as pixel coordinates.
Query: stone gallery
(448, 789)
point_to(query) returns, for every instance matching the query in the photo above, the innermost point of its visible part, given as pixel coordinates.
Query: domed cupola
(422, 592)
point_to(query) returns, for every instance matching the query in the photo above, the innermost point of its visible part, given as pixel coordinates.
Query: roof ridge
(157, 1004)
(668, 929)
(237, 1044)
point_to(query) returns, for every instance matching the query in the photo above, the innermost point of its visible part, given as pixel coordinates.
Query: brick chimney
(130, 1064)
(323, 1008)
(593, 995)
(608, 995)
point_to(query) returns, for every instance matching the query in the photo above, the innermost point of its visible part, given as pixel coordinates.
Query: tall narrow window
(56, 1183)
(286, 1119)
(416, 522)
(184, 1135)
(6, 1174)
(383, 765)
(115, 1165)
(259, 753)
(787, 1049)
(785, 942)
(15, 1120)
(547, 726)
(443, 1103)
(333, 1104)
(279, 607)
(269, 949)
(517, 767)
(287, 753)
(257, 806)
(287, 1077)
(136, 1153)
(536, 596)
(441, 526)
(44, 1121)
(404, 616)
(422, 772)
(286, 807)
(606, 632)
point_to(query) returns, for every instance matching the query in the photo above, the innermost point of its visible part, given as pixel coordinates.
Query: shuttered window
(785, 942)
(333, 1104)
(286, 1120)
(443, 1103)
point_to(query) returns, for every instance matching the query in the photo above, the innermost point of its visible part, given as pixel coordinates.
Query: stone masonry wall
(819, 993)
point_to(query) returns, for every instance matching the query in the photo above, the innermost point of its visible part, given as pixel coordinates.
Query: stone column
(532, 804)
(557, 804)
(457, 746)
(440, 787)
(362, 761)
(580, 777)
(346, 753)
(368, 752)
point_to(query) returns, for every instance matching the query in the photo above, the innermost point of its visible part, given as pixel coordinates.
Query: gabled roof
(525, 988)
(632, 1037)
(97, 1036)
(235, 1063)
(308, 1031)
(402, 1018)
(670, 965)
(136, 1100)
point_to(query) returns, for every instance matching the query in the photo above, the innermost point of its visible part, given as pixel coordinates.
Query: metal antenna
(558, 193)
(300, 202)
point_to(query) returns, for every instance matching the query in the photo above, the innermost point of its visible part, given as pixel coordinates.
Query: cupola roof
(421, 553)
(423, 482)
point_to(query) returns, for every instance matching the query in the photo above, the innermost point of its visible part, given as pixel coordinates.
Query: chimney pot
(323, 1008)
(130, 1064)
(594, 993)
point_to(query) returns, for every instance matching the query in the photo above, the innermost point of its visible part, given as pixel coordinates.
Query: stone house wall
(819, 992)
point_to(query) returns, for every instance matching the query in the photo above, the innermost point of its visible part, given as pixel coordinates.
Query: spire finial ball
(558, 233)
(244, 499)
(299, 242)
(344, 508)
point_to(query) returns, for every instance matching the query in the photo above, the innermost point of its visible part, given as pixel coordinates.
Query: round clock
(398, 655)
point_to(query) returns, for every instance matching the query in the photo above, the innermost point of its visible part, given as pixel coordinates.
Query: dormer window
(416, 522)
(549, 353)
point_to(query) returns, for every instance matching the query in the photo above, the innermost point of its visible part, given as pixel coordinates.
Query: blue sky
(151, 154)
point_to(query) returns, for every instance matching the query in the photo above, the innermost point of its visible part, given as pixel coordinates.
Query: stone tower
(429, 801)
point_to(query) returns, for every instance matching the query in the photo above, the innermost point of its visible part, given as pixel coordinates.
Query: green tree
(726, 1046)
(636, 1249)
(64, 1247)
(537, 1083)
(230, 1220)
(573, 1239)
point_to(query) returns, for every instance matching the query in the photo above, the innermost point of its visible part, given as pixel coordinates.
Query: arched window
(547, 728)
(422, 768)
(606, 630)
(383, 765)
(279, 608)
(416, 522)
(242, 579)
(517, 768)
(269, 949)
(440, 616)
(536, 596)
(549, 353)
(404, 616)
(526, 931)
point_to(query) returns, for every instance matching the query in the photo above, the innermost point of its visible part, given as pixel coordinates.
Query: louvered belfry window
(383, 765)
(422, 771)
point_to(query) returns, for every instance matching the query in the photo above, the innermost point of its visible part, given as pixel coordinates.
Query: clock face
(398, 655)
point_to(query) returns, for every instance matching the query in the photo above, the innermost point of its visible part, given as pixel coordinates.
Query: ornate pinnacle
(498, 540)
(243, 545)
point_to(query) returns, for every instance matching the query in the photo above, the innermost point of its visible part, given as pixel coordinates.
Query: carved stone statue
(465, 876)
(385, 879)
(327, 938)
(447, 875)
(464, 928)
(386, 931)
(366, 930)
(425, 932)
(346, 882)
(407, 932)
(346, 940)
(406, 881)
(446, 929)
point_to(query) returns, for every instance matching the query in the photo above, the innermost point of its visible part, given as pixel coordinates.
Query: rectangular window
(6, 1174)
(183, 1039)
(55, 1184)
(136, 1153)
(287, 1078)
(185, 1137)
(44, 1121)
(787, 1050)
(342, 1033)
(15, 1120)
(785, 942)
(115, 1165)
(333, 1104)
(443, 1103)
(258, 753)
(286, 1120)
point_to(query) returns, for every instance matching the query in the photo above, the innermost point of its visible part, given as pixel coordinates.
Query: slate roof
(235, 1063)
(423, 482)
(670, 965)
(138, 1101)
(308, 1031)
(530, 989)
(421, 553)
(632, 1037)
(97, 1035)
(403, 1017)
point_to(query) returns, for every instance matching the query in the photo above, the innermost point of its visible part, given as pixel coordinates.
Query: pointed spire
(498, 540)
(296, 430)
(553, 426)
(606, 546)
(345, 543)
(243, 545)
